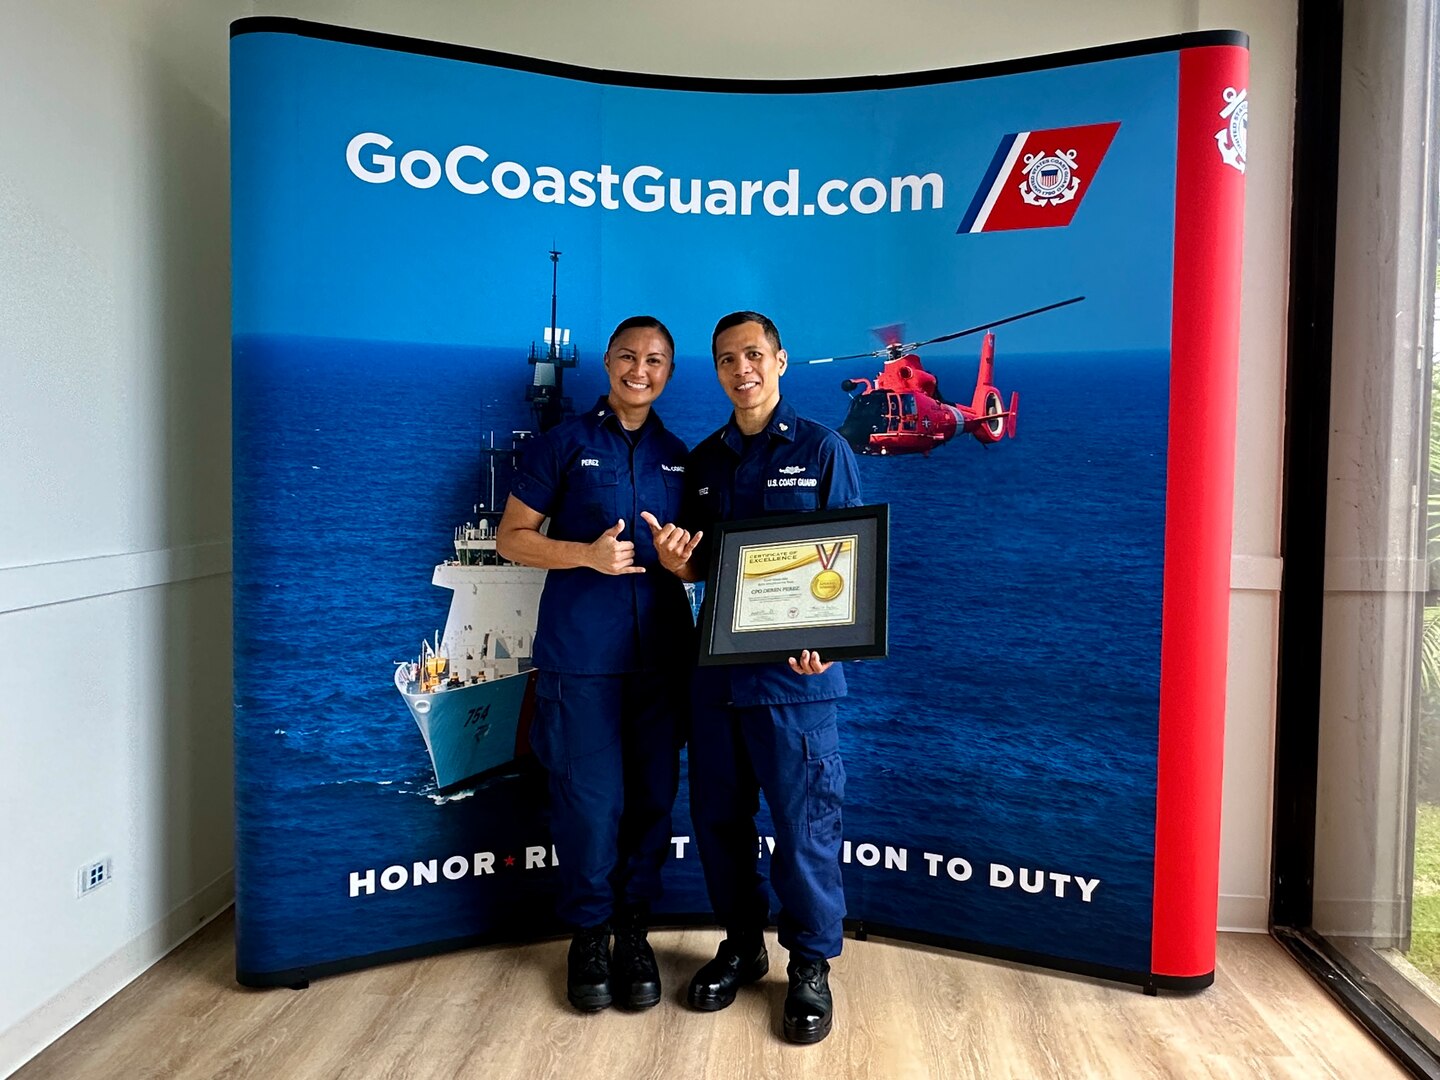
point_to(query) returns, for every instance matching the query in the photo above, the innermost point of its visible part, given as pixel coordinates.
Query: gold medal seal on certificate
(795, 584)
(827, 584)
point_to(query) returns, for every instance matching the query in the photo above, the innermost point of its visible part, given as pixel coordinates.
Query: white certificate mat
(795, 584)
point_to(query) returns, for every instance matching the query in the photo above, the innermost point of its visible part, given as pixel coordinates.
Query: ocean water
(1012, 728)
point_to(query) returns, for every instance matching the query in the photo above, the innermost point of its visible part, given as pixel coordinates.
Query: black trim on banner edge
(299, 978)
(1121, 50)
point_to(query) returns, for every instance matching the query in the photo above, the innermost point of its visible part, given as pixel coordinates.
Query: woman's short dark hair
(740, 318)
(643, 322)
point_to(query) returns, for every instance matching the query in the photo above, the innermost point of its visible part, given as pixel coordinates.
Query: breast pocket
(593, 498)
(790, 499)
(674, 492)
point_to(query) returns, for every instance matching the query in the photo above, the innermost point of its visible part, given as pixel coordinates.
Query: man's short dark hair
(643, 322)
(740, 318)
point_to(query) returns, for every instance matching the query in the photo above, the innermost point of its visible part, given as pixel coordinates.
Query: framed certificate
(777, 585)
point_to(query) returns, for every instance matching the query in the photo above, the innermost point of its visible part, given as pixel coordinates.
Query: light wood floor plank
(903, 1012)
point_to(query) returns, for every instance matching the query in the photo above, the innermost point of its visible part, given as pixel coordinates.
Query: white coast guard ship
(471, 689)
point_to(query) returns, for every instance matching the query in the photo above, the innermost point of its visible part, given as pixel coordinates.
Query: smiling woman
(639, 360)
(608, 705)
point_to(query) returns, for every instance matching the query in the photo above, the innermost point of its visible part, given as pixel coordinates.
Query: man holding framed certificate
(768, 725)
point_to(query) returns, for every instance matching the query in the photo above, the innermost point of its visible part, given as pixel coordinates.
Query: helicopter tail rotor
(1014, 411)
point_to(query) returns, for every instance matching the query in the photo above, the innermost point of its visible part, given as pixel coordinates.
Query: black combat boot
(637, 979)
(741, 959)
(587, 982)
(808, 1006)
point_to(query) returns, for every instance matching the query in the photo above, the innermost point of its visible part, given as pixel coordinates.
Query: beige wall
(114, 417)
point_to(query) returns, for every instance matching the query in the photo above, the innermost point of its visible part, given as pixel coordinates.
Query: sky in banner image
(392, 218)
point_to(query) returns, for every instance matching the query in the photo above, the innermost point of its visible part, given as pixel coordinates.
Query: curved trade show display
(1017, 290)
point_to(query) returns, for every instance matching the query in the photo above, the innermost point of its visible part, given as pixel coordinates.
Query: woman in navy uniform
(613, 633)
(765, 727)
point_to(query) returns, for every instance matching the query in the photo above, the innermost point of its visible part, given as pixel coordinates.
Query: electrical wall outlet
(95, 874)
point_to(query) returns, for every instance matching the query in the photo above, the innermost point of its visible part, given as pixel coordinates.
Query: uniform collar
(781, 426)
(602, 414)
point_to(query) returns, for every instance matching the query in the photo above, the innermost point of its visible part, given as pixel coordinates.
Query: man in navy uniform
(610, 641)
(765, 727)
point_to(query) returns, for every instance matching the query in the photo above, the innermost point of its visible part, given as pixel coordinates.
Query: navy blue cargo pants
(611, 746)
(792, 754)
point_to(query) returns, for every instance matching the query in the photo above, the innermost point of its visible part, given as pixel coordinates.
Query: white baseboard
(1244, 914)
(44, 1025)
(1255, 573)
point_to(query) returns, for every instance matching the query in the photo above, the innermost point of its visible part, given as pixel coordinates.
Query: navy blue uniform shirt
(793, 465)
(585, 475)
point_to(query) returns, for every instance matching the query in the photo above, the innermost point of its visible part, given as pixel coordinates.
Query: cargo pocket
(547, 738)
(674, 493)
(824, 780)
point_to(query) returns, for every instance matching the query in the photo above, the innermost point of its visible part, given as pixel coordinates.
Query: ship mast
(546, 393)
(554, 294)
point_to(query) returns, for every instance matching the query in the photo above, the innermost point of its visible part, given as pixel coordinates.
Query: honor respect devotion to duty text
(469, 170)
(995, 875)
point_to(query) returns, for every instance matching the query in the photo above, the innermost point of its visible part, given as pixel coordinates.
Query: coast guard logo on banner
(1050, 179)
(1037, 179)
(1231, 138)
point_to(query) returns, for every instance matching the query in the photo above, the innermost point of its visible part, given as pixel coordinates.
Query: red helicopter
(902, 410)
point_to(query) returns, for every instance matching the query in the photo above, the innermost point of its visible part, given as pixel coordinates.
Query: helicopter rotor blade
(853, 356)
(895, 350)
(990, 325)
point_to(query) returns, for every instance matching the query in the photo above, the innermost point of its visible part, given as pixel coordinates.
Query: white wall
(114, 496)
(114, 417)
(1260, 423)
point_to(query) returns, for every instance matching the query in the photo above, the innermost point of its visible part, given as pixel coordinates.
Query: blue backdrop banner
(430, 247)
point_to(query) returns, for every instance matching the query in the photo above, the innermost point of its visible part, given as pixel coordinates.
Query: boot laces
(593, 948)
(810, 972)
(632, 953)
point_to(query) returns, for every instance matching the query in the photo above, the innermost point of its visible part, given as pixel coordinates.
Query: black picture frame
(863, 637)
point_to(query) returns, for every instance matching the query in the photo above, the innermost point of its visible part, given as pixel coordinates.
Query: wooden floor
(901, 1011)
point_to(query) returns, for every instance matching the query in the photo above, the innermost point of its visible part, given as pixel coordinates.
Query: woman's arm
(520, 540)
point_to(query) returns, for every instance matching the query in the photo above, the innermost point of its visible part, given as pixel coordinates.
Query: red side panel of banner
(1209, 196)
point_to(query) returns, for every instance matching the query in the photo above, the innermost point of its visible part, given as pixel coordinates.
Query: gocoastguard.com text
(645, 188)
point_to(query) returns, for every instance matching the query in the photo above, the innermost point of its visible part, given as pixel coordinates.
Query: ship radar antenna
(554, 289)
(546, 393)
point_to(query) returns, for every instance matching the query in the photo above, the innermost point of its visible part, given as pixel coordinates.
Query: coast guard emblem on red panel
(1231, 138)
(1029, 186)
(1050, 178)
